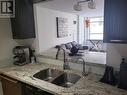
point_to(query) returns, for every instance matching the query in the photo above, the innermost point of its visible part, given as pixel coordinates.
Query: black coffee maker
(21, 55)
(109, 76)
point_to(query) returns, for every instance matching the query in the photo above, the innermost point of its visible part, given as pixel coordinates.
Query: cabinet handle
(116, 40)
(8, 79)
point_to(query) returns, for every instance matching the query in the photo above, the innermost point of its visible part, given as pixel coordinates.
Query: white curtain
(81, 30)
(86, 29)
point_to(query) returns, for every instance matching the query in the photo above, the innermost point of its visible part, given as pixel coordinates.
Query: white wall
(46, 27)
(6, 41)
(115, 53)
(27, 42)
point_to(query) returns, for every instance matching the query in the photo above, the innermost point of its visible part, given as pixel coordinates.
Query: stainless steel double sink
(57, 77)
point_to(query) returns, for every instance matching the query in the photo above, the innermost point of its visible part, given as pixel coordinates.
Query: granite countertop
(89, 85)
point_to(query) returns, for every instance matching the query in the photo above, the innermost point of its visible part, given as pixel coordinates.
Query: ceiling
(67, 6)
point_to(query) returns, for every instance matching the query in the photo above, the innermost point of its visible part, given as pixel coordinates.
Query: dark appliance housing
(109, 76)
(123, 75)
(23, 26)
(21, 55)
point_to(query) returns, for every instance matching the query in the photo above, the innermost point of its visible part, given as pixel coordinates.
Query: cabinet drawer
(10, 86)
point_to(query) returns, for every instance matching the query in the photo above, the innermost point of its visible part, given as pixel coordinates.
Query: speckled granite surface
(89, 85)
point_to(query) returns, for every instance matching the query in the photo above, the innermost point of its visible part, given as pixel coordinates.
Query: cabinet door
(10, 86)
(23, 24)
(115, 19)
(29, 90)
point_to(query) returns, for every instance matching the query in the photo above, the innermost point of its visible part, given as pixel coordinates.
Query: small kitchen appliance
(21, 55)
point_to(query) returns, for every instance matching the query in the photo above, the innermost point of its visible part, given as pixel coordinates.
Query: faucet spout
(57, 54)
(84, 67)
(66, 63)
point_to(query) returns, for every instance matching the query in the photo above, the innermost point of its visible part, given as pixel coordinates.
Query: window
(96, 28)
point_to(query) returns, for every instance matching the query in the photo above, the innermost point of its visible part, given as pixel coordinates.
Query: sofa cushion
(79, 46)
(63, 46)
(74, 43)
(68, 45)
(74, 50)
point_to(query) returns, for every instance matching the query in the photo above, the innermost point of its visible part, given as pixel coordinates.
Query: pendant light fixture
(91, 5)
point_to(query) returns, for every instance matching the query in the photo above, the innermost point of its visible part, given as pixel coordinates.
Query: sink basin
(66, 80)
(48, 74)
(58, 77)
